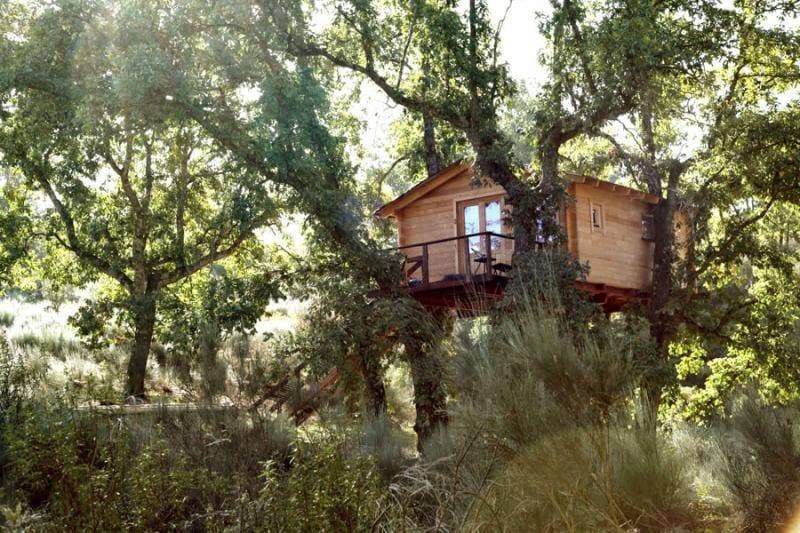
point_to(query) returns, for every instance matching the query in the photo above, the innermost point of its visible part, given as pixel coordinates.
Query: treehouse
(458, 247)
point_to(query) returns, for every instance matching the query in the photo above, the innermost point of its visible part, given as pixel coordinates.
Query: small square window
(597, 217)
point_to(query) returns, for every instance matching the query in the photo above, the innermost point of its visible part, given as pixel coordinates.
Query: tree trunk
(661, 324)
(432, 160)
(427, 373)
(493, 160)
(548, 159)
(144, 313)
(430, 398)
(374, 389)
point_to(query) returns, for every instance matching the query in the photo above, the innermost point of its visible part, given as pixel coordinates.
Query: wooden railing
(422, 261)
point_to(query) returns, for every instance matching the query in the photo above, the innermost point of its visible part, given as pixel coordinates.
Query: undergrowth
(548, 433)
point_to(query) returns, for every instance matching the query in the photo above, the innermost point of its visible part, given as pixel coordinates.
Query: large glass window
(494, 221)
(472, 224)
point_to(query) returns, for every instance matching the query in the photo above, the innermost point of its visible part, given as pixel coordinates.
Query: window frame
(481, 202)
(596, 207)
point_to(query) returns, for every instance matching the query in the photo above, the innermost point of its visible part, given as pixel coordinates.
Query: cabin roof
(456, 169)
(422, 188)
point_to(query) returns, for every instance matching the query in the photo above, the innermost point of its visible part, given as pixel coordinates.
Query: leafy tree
(115, 113)
(15, 226)
(724, 87)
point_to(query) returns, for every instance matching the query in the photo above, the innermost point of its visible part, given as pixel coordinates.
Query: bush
(760, 462)
(93, 470)
(327, 488)
(6, 319)
(19, 380)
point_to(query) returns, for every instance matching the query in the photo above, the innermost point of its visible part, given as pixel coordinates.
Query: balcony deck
(482, 283)
(469, 285)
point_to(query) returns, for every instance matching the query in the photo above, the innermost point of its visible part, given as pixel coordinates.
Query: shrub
(19, 380)
(760, 462)
(327, 488)
(92, 470)
(6, 319)
(229, 441)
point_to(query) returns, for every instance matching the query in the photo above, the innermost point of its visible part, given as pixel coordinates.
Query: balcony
(466, 273)
(469, 274)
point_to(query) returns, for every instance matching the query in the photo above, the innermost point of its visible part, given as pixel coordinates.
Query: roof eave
(389, 209)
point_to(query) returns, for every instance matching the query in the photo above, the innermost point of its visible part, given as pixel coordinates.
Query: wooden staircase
(299, 409)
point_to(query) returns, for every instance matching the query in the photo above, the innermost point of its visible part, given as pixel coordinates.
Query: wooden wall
(433, 216)
(616, 253)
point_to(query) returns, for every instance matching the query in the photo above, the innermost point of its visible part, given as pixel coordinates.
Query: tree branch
(166, 278)
(573, 24)
(124, 173)
(73, 244)
(395, 94)
(733, 234)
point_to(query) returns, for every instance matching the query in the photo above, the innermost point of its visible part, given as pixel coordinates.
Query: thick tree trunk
(430, 397)
(493, 160)
(427, 373)
(661, 323)
(432, 160)
(548, 159)
(144, 312)
(374, 389)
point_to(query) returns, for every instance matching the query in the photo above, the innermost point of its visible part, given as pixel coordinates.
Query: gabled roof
(456, 169)
(422, 188)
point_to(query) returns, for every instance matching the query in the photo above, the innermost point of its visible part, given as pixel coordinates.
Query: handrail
(457, 237)
(421, 261)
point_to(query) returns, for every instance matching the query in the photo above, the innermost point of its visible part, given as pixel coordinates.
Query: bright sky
(521, 40)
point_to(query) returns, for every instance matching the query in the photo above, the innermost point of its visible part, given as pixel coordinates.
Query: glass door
(479, 216)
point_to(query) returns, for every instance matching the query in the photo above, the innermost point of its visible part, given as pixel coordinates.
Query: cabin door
(478, 216)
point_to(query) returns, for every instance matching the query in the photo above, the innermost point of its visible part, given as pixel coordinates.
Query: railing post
(467, 264)
(425, 276)
(487, 267)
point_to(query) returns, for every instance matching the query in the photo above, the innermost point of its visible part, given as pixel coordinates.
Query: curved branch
(166, 278)
(369, 71)
(74, 245)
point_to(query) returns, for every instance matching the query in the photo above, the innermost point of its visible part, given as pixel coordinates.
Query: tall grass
(55, 345)
(548, 435)
(759, 450)
(532, 374)
(589, 479)
(97, 470)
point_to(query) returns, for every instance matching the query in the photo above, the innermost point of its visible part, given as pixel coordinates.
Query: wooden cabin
(458, 246)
